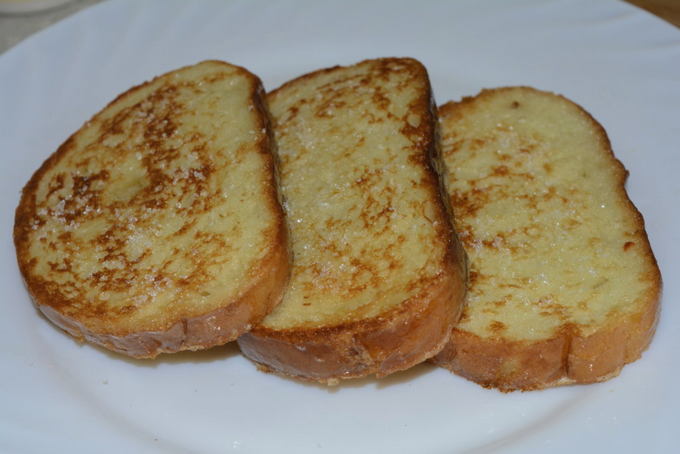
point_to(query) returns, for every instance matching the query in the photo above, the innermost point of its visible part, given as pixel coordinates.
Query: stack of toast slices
(342, 226)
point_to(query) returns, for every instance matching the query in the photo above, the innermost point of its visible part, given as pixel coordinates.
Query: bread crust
(191, 333)
(394, 341)
(574, 354)
(567, 358)
(402, 337)
(188, 331)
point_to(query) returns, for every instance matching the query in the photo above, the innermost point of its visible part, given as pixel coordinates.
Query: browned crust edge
(218, 327)
(569, 357)
(401, 338)
(406, 335)
(564, 359)
(233, 318)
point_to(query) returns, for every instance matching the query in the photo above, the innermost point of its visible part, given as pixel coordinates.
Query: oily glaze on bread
(156, 227)
(378, 276)
(564, 287)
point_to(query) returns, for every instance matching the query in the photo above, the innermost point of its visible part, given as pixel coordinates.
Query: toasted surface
(156, 227)
(374, 250)
(564, 287)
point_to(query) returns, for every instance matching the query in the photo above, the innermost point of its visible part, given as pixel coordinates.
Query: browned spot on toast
(542, 211)
(497, 327)
(372, 239)
(136, 233)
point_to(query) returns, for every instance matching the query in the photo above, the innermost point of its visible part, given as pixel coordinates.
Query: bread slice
(378, 277)
(564, 287)
(157, 227)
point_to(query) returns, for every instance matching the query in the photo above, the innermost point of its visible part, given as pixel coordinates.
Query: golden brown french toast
(156, 227)
(378, 277)
(564, 287)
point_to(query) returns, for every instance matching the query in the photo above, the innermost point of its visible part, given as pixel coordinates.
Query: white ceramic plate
(620, 63)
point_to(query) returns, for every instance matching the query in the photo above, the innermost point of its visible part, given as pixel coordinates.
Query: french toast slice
(157, 226)
(564, 287)
(378, 277)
